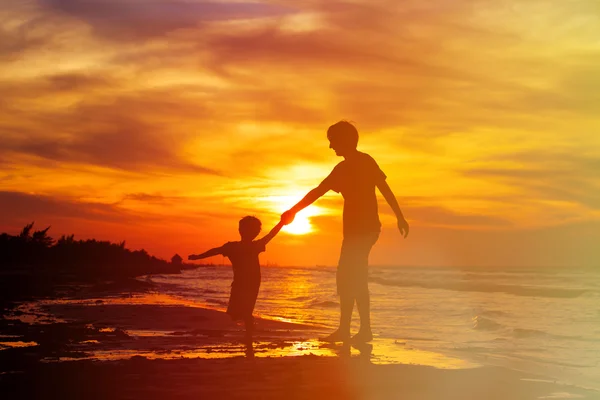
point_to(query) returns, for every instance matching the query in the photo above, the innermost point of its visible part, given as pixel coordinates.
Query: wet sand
(305, 377)
(156, 347)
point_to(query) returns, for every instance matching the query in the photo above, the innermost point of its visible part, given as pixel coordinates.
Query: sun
(301, 224)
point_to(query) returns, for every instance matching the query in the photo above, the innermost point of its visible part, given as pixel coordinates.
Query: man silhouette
(356, 179)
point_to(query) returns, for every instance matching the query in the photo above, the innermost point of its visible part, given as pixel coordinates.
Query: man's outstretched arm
(310, 198)
(389, 196)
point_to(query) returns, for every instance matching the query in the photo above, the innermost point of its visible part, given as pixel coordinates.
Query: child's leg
(249, 322)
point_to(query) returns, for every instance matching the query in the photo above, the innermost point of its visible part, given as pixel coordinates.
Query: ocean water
(544, 321)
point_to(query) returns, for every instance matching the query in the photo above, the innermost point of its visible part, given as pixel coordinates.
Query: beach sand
(305, 377)
(156, 347)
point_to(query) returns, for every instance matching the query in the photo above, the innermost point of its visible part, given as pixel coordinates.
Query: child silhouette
(246, 268)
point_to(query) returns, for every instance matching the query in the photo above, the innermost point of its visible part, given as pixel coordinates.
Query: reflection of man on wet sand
(355, 178)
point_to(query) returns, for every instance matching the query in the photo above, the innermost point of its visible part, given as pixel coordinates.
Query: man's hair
(250, 226)
(343, 131)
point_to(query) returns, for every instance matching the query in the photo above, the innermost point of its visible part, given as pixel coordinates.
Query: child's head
(343, 137)
(249, 227)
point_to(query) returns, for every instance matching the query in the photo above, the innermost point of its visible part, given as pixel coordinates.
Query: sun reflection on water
(380, 353)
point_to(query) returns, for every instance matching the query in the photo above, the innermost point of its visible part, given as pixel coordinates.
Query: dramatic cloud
(134, 20)
(24, 206)
(439, 216)
(550, 176)
(483, 114)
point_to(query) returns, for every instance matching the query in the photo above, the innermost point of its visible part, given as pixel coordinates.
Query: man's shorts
(353, 272)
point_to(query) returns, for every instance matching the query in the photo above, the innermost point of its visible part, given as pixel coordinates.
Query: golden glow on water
(138, 299)
(268, 343)
(215, 341)
(381, 352)
(282, 319)
(391, 352)
(17, 344)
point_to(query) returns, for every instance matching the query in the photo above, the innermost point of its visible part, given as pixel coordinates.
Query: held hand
(403, 227)
(288, 217)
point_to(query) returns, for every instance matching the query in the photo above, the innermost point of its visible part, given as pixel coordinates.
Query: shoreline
(188, 330)
(147, 337)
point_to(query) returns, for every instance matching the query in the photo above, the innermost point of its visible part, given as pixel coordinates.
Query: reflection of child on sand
(246, 268)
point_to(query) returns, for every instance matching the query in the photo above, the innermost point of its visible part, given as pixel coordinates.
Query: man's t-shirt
(244, 259)
(356, 178)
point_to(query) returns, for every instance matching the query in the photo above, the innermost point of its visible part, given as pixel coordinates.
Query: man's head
(249, 227)
(343, 138)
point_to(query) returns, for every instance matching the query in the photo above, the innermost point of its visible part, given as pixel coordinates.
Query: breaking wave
(485, 288)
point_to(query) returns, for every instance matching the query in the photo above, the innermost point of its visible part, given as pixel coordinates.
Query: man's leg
(343, 279)
(342, 333)
(363, 298)
(363, 303)
(346, 308)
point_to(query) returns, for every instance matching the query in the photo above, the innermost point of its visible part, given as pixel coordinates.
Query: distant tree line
(35, 252)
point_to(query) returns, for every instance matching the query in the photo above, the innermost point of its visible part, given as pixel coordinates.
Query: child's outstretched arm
(212, 252)
(267, 238)
(389, 196)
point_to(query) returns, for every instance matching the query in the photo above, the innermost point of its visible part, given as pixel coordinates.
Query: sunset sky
(162, 123)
